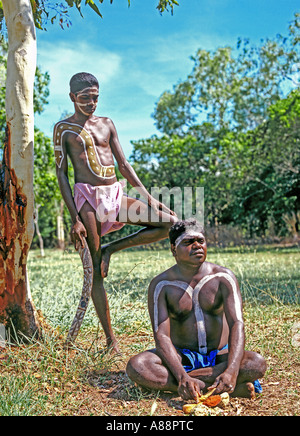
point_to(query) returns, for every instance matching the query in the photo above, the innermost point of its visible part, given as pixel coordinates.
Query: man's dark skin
(85, 224)
(162, 368)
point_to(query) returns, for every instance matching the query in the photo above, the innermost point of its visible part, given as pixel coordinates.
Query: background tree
(47, 195)
(228, 128)
(16, 185)
(267, 163)
(40, 91)
(231, 88)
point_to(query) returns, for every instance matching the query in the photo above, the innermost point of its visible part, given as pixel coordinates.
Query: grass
(41, 378)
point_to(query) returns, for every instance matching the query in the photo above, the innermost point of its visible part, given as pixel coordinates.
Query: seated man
(196, 313)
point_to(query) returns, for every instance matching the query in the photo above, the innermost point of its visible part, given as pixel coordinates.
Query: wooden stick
(85, 295)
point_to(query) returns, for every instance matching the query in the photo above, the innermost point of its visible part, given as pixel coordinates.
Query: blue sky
(137, 54)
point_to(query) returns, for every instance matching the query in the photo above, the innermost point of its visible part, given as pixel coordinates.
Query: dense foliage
(232, 127)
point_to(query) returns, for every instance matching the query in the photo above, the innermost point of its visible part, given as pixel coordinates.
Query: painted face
(86, 100)
(190, 247)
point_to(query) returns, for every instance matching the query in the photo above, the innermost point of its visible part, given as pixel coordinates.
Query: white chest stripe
(183, 285)
(92, 158)
(194, 294)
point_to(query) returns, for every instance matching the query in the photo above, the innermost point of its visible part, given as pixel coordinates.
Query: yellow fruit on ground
(188, 408)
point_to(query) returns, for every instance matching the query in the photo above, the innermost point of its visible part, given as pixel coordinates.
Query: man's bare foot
(112, 346)
(105, 258)
(244, 390)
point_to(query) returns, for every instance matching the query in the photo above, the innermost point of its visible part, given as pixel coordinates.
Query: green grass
(266, 278)
(42, 378)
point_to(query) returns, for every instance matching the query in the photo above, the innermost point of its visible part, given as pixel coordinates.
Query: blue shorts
(198, 360)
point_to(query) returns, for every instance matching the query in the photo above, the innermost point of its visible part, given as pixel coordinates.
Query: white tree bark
(21, 66)
(17, 208)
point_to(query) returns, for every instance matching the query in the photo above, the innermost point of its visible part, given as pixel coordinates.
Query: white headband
(187, 234)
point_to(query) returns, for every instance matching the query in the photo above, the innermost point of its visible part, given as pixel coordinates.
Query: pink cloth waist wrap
(105, 200)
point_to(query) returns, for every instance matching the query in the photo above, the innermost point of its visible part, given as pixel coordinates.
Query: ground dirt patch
(111, 393)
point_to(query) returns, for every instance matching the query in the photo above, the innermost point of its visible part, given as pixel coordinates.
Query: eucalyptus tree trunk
(16, 181)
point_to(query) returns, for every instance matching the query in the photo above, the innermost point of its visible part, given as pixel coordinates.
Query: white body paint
(19, 157)
(84, 135)
(194, 294)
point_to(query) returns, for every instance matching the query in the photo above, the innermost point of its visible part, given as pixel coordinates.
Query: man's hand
(190, 388)
(225, 382)
(78, 232)
(157, 205)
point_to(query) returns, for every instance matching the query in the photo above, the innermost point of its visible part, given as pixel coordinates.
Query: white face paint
(87, 90)
(188, 234)
(87, 94)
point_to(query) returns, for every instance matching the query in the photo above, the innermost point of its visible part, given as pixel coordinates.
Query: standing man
(91, 143)
(196, 313)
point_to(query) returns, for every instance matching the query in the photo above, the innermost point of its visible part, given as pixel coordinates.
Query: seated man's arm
(232, 302)
(188, 387)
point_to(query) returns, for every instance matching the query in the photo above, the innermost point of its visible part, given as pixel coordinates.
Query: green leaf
(95, 8)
